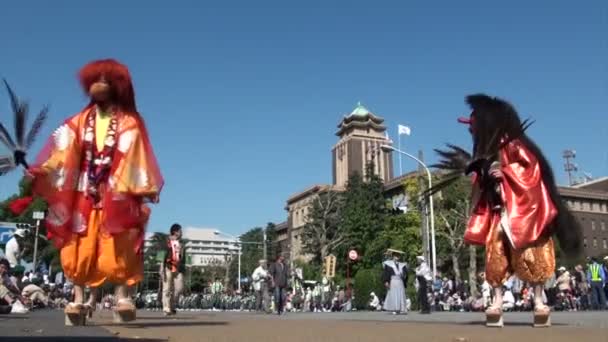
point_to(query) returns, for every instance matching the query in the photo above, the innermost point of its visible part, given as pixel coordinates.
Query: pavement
(48, 326)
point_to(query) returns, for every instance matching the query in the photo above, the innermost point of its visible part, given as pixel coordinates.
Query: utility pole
(569, 167)
(425, 211)
(265, 247)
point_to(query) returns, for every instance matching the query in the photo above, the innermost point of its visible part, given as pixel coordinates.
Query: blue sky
(242, 98)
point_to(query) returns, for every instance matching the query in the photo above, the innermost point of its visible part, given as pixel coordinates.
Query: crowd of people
(581, 288)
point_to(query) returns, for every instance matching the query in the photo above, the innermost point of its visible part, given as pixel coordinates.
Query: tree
(271, 238)
(453, 211)
(363, 215)
(321, 232)
(158, 242)
(401, 232)
(250, 254)
(473, 270)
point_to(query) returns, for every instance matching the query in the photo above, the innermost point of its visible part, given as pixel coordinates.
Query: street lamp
(238, 243)
(388, 148)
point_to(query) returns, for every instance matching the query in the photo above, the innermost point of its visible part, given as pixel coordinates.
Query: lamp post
(239, 244)
(431, 214)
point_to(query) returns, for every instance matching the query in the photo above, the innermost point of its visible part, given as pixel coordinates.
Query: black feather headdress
(493, 124)
(23, 140)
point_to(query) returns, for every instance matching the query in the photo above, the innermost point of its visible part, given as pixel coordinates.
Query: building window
(605, 244)
(592, 225)
(594, 243)
(586, 205)
(603, 226)
(585, 242)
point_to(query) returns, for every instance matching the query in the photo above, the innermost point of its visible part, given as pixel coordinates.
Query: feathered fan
(22, 141)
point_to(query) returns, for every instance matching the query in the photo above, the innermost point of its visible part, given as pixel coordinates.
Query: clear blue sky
(242, 98)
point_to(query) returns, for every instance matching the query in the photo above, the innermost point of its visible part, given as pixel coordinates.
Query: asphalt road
(46, 326)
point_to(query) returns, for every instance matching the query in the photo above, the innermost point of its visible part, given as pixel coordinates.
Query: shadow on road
(76, 339)
(160, 323)
(480, 323)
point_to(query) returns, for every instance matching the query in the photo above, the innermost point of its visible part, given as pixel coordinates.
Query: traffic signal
(330, 266)
(23, 226)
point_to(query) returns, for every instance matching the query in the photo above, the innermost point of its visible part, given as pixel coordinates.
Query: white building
(205, 246)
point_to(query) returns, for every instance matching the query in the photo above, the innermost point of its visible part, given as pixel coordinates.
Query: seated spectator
(9, 292)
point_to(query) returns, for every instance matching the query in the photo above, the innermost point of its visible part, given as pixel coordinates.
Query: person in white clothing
(14, 248)
(260, 278)
(9, 292)
(423, 278)
(374, 303)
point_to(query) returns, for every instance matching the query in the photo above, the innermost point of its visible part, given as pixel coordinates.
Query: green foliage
(271, 236)
(310, 271)
(198, 279)
(401, 232)
(250, 255)
(366, 281)
(363, 215)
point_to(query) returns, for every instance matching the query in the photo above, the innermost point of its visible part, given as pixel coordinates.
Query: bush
(367, 281)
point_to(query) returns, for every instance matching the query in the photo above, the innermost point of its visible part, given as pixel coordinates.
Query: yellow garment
(102, 123)
(96, 257)
(92, 257)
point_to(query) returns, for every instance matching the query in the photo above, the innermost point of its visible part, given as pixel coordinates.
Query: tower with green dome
(361, 134)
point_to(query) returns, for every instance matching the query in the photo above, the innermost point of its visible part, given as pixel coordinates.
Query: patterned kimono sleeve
(135, 179)
(57, 169)
(137, 173)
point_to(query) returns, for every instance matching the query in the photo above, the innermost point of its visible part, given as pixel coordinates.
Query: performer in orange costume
(97, 172)
(517, 208)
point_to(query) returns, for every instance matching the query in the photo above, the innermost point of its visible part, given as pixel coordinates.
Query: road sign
(38, 215)
(330, 266)
(352, 255)
(6, 232)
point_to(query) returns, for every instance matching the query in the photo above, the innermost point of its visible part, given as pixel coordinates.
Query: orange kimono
(517, 238)
(96, 189)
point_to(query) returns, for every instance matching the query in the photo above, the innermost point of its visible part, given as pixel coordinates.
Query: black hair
(5, 263)
(496, 119)
(176, 227)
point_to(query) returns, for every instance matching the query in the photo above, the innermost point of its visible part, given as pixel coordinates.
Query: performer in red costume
(517, 208)
(97, 173)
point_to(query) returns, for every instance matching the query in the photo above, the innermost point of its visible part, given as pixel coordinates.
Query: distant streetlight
(238, 243)
(388, 148)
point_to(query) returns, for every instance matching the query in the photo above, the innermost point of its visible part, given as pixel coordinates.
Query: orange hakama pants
(534, 264)
(92, 258)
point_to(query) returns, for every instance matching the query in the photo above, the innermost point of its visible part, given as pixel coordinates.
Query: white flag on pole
(404, 130)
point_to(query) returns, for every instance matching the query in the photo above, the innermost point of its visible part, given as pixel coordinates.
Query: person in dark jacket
(280, 275)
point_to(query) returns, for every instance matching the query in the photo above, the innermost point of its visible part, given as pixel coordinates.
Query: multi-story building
(589, 204)
(361, 133)
(205, 246)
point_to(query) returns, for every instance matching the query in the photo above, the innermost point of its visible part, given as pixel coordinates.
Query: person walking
(596, 278)
(279, 273)
(260, 278)
(172, 270)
